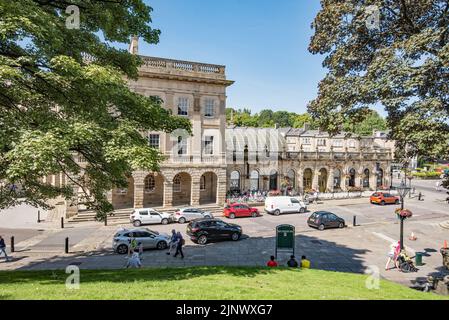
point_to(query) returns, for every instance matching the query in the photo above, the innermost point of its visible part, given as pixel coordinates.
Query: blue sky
(263, 44)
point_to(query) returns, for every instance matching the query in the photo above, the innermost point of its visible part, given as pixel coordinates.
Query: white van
(278, 205)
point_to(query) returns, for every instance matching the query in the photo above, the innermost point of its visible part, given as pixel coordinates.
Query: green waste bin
(418, 259)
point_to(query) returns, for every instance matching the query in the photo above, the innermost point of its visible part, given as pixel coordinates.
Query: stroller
(405, 263)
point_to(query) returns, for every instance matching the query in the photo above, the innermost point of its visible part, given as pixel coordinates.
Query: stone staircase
(122, 215)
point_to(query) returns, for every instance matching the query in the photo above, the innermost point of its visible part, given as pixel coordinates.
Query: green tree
(55, 105)
(400, 60)
(373, 121)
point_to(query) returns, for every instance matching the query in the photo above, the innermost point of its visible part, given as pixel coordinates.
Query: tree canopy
(268, 118)
(56, 105)
(393, 53)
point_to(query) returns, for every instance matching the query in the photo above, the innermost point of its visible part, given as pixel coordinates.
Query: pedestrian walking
(173, 242)
(134, 261)
(3, 248)
(179, 245)
(393, 255)
(140, 246)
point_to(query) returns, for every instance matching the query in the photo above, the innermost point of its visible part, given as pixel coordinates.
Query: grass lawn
(215, 283)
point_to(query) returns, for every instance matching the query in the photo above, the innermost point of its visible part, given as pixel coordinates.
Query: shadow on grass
(251, 253)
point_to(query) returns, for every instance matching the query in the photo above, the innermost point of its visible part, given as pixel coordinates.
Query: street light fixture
(403, 190)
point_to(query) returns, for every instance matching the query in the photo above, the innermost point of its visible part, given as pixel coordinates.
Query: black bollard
(12, 244)
(106, 220)
(419, 196)
(354, 221)
(67, 245)
(62, 222)
(38, 216)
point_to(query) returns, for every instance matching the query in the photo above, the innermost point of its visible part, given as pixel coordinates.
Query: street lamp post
(402, 190)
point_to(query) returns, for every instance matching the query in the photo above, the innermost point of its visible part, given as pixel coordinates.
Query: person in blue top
(173, 242)
(3, 248)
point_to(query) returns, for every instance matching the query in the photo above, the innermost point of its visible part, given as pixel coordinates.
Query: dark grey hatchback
(325, 220)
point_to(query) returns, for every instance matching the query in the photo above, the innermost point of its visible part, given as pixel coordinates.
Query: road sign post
(285, 239)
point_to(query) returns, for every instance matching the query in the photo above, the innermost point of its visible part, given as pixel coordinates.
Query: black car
(324, 220)
(204, 230)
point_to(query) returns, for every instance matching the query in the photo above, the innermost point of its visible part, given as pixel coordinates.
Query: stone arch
(182, 188)
(380, 178)
(153, 192)
(291, 178)
(208, 187)
(307, 179)
(322, 180)
(235, 181)
(352, 175)
(365, 178)
(124, 197)
(337, 179)
(274, 180)
(254, 180)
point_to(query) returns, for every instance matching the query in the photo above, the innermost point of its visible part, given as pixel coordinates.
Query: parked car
(383, 198)
(278, 205)
(324, 220)
(149, 216)
(205, 230)
(188, 214)
(239, 210)
(149, 239)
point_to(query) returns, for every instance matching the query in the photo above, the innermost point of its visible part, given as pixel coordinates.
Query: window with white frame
(154, 141)
(182, 146)
(183, 106)
(208, 146)
(351, 144)
(209, 108)
(177, 183)
(306, 141)
(150, 184)
(321, 142)
(338, 143)
(203, 183)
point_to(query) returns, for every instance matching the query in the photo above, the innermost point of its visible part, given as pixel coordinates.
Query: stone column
(221, 188)
(315, 182)
(168, 194)
(330, 180)
(139, 186)
(195, 192)
(196, 145)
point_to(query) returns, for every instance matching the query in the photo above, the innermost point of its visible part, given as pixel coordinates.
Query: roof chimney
(134, 45)
(306, 126)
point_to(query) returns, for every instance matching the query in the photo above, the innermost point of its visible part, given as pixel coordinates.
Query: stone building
(304, 159)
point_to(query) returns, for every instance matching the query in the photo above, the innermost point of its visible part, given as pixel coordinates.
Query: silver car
(149, 239)
(189, 214)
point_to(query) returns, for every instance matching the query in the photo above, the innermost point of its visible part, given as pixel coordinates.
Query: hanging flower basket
(405, 213)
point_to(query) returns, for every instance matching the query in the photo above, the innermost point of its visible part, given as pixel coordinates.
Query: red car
(238, 210)
(384, 198)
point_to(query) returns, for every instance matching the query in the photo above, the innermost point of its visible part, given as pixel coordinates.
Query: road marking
(391, 240)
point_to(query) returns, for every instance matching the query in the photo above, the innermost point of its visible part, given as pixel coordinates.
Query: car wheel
(182, 220)
(277, 213)
(122, 249)
(382, 203)
(321, 227)
(302, 210)
(207, 217)
(202, 240)
(164, 221)
(254, 214)
(341, 225)
(161, 245)
(235, 236)
(232, 216)
(137, 223)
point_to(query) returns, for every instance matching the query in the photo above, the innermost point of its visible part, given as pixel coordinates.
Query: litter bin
(418, 259)
(445, 254)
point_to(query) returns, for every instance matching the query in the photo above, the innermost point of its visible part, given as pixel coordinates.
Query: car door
(333, 220)
(155, 217)
(210, 228)
(245, 211)
(295, 205)
(145, 238)
(144, 216)
(196, 214)
(222, 229)
(187, 214)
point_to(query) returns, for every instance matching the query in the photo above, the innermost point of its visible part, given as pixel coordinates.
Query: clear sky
(263, 44)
